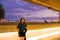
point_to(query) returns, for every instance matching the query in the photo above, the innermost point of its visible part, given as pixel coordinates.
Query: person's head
(22, 20)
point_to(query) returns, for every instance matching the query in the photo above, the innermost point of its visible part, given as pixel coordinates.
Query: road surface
(40, 34)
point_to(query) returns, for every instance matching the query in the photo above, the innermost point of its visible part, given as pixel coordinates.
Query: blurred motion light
(50, 4)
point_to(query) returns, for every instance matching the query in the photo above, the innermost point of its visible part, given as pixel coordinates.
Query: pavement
(40, 34)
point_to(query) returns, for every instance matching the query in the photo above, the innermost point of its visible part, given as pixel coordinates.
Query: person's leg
(25, 38)
(21, 38)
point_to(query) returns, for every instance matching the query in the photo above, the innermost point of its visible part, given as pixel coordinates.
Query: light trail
(43, 36)
(46, 5)
(46, 33)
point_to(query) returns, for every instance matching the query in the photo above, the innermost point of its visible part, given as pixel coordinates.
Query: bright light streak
(43, 36)
(52, 31)
(46, 5)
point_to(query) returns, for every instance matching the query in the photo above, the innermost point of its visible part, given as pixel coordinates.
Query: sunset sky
(15, 9)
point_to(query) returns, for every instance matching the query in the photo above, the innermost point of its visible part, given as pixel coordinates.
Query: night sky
(15, 9)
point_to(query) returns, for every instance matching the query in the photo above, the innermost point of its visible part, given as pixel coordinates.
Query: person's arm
(25, 28)
(17, 26)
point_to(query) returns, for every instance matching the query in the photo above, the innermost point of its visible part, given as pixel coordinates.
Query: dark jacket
(22, 27)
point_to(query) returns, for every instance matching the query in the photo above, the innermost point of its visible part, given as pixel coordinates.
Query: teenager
(22, 27)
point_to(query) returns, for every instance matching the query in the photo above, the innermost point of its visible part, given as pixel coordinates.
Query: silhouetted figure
(22, 29)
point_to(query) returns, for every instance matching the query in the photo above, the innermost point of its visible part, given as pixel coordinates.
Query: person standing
(22, 29)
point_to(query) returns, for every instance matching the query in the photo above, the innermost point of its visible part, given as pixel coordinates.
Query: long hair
(21, 21)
